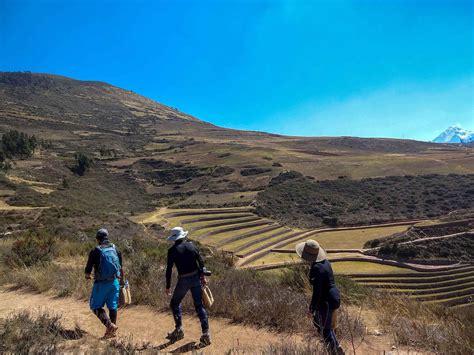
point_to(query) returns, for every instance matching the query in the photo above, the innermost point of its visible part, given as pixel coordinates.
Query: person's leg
(97, 302)
(112, 300)
(317, 322)
(199, 306)
(102, 315)
(113, 316)
(179, 292)
(327, 331)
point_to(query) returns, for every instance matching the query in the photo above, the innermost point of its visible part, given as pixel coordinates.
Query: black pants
(323, 322)
(185, 284)
(102, 315)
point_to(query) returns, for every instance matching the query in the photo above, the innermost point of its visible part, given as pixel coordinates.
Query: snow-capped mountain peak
(455, 134)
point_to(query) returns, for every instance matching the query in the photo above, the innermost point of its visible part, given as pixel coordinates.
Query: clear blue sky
(385, 68)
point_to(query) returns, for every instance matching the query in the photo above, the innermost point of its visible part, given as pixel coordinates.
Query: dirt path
(143, 324)
(448, 236)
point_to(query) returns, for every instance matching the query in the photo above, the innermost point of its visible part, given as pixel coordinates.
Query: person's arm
(316, 281)
(122, 275)
(169, 270)
(89, 265)
(200, 264)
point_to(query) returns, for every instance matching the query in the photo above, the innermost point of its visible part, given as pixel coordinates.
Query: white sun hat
(177, 233)
(311, 251)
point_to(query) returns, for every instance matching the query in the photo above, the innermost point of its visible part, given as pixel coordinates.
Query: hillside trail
(142, 324)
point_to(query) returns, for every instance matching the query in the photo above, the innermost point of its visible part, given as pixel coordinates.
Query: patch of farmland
(217, 235)
(349, 239)
(274, 258)
(449, 287)
(364, 267)
(254, 244)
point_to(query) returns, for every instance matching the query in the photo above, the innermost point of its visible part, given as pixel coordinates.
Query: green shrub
(82, 164)
(388, 249)
(31, 249)
(297, 200)
(296, 278)
(406, 251)
(15, 143)
(330, 221)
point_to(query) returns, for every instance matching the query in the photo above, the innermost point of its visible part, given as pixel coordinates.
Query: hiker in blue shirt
(326, 298)
(106, 261)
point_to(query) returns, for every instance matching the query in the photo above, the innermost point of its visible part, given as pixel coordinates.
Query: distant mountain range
(455, 134)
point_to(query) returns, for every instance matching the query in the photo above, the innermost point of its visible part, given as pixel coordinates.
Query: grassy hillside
(447, 239)
(300, 201)
(171, 154)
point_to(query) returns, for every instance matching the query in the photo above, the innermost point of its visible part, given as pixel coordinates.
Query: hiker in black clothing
(190, 267)
(106, 262)
(326, 298)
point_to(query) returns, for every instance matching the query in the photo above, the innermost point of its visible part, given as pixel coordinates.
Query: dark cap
(102, 234)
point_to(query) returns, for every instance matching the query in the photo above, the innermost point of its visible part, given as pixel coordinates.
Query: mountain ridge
(132, 104)
(455, 134)
(149, 137)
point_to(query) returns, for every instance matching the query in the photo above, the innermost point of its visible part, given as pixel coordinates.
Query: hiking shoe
(205, 340)
(111, 332)
(175, 335)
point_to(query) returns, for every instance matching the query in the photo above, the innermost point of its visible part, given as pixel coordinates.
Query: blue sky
(379, 68)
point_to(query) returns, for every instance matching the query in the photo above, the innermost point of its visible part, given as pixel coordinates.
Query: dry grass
(64, 280)
(211, 199)
(6, 207)
(309, 347)
(243, 296)
(425, 326)
(26, 332)
(271, 300)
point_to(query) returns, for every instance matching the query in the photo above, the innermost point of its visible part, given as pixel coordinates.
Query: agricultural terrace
(261, 243)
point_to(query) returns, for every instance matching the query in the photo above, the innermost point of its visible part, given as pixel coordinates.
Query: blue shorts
(105, 293)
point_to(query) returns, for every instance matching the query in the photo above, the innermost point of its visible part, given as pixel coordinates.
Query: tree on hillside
(18, 144)
(83, 163)
(15, 144)
(4, 163)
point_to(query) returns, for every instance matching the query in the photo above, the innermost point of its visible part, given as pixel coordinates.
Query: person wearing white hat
(191, 277)
(326, 298)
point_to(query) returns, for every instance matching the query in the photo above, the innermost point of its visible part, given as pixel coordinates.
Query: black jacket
(324, 288)
(186, 256)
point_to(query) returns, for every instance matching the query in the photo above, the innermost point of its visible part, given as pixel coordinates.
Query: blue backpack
(109, 266)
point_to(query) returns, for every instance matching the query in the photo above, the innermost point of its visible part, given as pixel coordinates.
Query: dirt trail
(144, 324)
(141, 324)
